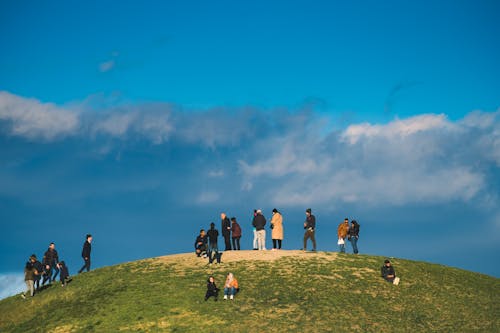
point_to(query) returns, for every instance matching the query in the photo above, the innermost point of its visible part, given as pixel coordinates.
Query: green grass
(322, 292)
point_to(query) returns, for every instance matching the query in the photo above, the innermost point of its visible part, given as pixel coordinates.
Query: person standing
(353, 235)
(342, 232)
(259, 221)
(254, 231)
(50, 260)
(236, 233)
(277, 229)
(87, 248)
(226, 230)
(213, 249)
(310, 227)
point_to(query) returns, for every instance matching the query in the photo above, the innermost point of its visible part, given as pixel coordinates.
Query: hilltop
(284, 290)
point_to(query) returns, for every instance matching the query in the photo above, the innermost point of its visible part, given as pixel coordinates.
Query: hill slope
(299, 292)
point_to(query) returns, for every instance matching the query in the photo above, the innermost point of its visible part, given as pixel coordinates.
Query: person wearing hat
(87, 248)
(259, 221)
(387, 271)
(29, 278)
(277, 229)
(310, 227)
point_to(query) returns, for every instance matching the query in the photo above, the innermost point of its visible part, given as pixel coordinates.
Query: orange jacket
(342, 230)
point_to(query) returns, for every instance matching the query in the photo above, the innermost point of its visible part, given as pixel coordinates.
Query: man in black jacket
(50, 260)
(87, 248)
(387, 271)
(310, 226)
(226, 230)
(259, 221)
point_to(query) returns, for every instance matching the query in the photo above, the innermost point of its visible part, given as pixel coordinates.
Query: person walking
(29, 278)
(38, 271)
(342, 232)
(226, 230)
(50, 260)
(353, 235)
(236, 233)
(277, 229)
(259, 221)
(87, 248)
(310, 227)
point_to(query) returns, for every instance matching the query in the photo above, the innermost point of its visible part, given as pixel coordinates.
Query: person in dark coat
(353, 235)
(50, 260)
(259, 221)
(387, 271)
(213, 249)
(310, 226)
(38, 271)
(64, 276)
(212, 289)
(87, 248)
(29, 278)
(236, 233)
(226, 230)
(200, 244)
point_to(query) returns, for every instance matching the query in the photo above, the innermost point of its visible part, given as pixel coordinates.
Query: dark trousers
(214, 293)
(309, 234)
(236, 243)
(227, 241)
(37, 281)
(86, 265)
(277, 241)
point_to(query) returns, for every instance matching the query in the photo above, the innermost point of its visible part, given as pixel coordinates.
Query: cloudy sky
(141, 122)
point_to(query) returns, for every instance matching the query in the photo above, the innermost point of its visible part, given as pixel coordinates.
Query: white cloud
(32, 119)
(216, 173)
(107, 66)
(11, 284)
(207, 197)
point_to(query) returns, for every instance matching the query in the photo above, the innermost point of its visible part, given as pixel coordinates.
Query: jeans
(354, 243)
(86, 265)
(342, 248)
(213, 250)
(236, 243)
(309, 234)
(53, 266)
(230, 291)
(261, 239)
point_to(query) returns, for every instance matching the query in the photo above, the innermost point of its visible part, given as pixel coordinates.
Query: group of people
(50, 267)
(231, 287)
(206, 242)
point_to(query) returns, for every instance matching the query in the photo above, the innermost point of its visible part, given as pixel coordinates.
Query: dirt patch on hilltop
(190, 259)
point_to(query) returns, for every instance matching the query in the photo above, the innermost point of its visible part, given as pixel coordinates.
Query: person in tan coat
(277, 226)
(342, 232)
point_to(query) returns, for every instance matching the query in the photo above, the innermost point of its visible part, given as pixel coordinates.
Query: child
(64, 273)
(200, 244)
(231, 286)
(29, 278)
(212, 289)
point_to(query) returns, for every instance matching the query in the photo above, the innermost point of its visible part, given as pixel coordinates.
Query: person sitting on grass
(200, 244)
(212, 289)
(231, 286)
(388, 273)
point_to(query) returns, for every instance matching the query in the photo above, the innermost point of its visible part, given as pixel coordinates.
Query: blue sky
(141, 121)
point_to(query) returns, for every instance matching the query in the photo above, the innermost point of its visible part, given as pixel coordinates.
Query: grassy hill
(280, 291)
